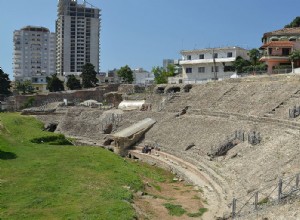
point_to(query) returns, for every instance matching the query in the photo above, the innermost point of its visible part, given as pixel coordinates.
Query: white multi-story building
(142, 76)
(78, 33)
(208, 64)
(34, 55)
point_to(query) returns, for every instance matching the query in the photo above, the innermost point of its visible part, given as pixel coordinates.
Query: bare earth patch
(151, 205)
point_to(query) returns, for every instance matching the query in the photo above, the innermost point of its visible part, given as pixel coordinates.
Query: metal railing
(270, 195)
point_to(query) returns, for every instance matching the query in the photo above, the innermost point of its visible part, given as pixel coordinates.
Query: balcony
(203, 61)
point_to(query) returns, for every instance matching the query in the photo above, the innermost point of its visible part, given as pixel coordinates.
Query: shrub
(52, 140)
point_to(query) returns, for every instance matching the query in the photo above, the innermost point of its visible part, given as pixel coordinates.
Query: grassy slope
(63, 182)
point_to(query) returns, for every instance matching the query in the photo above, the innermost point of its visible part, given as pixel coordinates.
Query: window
(188, 70)
(215, 55)
(229, 69)
(201, 69)
(201, 56)
(285, 51)
(189, 57)
(212, 69)
(229, 54)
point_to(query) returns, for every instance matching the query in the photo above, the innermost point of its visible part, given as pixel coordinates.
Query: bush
(52, 140)
(29, 102)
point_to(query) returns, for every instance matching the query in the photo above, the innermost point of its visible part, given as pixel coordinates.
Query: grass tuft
(199, 213)
(175, 210)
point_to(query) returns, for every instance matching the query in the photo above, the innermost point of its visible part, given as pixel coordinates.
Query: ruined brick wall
(76, 95)
(130, 88)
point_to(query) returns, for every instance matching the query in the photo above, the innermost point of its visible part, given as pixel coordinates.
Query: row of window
(202, 56)
(201, 69)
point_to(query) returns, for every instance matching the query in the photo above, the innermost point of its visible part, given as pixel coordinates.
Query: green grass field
(44, 181)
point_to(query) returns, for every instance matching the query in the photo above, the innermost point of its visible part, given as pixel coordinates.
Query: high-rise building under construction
(77, 36)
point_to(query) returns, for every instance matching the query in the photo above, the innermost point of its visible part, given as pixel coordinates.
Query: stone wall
(130, 88)
(76, 95)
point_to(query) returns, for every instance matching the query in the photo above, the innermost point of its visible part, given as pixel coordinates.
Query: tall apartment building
(78, 33)
(34, 55)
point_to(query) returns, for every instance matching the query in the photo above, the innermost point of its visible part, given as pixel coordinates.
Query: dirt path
(215, 197)
(152, 205)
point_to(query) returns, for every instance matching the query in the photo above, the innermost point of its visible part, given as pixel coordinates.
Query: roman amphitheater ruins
(238, 139)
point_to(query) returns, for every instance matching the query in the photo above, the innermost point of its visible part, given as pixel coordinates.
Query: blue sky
(141, 33)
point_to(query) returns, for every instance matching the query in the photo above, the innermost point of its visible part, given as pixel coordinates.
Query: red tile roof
(278, 44)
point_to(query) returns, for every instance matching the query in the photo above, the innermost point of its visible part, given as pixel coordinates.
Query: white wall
(222, 60)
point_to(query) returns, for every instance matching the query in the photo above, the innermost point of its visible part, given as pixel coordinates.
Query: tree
(240, 63)
(294, 23)
(54, 84)
(126, 74)
(161, 75)
(73, 83)
(25, 87)
(4, 83)
(295, 57)
(89, 76)
(254, 55)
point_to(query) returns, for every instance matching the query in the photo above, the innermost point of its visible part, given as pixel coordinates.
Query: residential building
(167, 62)
(278, 45)
(175, 63)
(142, 77)
(78, 36)
(207, 64)
(110, 77)
(34, 55)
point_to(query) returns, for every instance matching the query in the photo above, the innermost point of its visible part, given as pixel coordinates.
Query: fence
(114, 120)
(270, 195)
(233, 140)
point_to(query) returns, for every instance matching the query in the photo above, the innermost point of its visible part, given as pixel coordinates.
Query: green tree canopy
(254, 55)
(89, 76)
(73, 83)
(54, 84)
(126, 74)
(161, 75)
(4, 83)
(295, 55)
(25, 87)
(240, 63)
(294, 23)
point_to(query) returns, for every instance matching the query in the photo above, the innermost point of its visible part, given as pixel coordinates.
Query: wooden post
(279, 190)
(256, 201)
(233, 208)
(297, 180)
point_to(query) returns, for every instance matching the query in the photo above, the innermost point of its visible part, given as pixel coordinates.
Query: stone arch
(187, 87)
(160, 89)
(173, 89)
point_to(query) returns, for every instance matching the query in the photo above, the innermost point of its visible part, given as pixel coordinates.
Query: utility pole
(214, 61)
